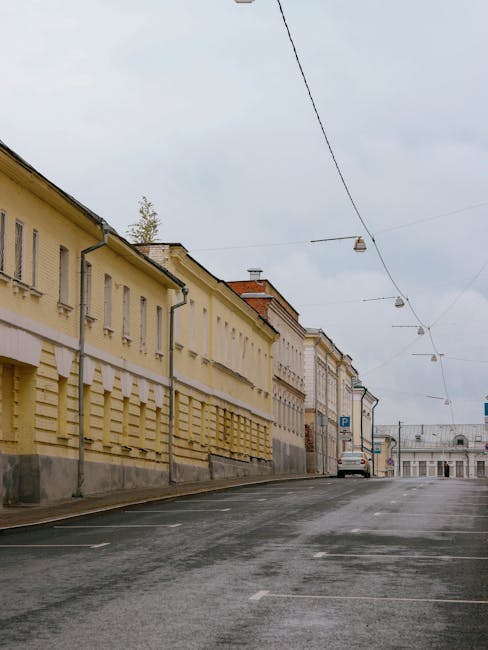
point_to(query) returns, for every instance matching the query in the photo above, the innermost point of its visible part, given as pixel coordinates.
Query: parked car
(354, 462)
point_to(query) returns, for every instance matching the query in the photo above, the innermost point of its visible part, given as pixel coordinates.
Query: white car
(353, 462)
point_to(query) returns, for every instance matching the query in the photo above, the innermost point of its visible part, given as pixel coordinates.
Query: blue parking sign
(345, 422)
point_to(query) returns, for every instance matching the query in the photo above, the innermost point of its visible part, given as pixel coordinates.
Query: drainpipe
(325, 448)
(365, 390)
(172, 310)
(81, 364)
(372, 429)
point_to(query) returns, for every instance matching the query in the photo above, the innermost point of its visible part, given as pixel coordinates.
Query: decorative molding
(19, 346)
(88, 371)
(158, 395)
(126, 383)
(143, 387)
(108, 377)
(33, 328)
(64, 360)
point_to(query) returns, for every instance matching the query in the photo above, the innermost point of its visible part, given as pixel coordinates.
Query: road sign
(377, 451)
(486, 446)
(345, 422)
(486, 409)
(390, 462)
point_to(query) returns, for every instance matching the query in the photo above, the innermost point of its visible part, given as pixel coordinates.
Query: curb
(39, 523)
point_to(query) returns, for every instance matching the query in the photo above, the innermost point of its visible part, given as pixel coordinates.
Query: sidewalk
(27, 515)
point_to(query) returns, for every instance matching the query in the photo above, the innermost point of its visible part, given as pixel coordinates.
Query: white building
(423, 449)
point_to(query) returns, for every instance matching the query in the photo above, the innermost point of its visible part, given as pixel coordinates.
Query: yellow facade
(125, 391)
(223, 374)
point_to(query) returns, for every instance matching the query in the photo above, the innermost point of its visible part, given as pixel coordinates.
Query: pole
(171, 423)
(372, 431)
(81, 363)
(399, 473)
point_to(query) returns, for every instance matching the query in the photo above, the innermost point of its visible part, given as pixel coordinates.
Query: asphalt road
(327, 563)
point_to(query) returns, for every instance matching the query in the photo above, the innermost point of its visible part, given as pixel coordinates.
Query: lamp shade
(359, 245)
(399, 302)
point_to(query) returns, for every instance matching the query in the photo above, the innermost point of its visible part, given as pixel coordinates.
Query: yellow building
(68, 427)
(223, 396)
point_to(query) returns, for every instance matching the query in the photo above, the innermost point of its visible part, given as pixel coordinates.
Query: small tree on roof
(145, 230)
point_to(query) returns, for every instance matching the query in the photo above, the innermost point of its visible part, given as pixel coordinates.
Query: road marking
(400, 557)
(267, 594)
(392, 501)
(123, 526)
(54, 545)
(170, 512)
(428, 514)
(407, 530)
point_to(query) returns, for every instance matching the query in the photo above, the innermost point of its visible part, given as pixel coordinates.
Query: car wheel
(340, 474)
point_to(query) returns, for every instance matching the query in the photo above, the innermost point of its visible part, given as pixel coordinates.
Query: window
(35, 257)
(87, 288)
(142, 323)
(226, 343)
(2, 241)
(19, 250)
(63, 275)
(107, 302)
(218, 334)
(191, 342)
(159, 329)
(126, 313)
(204, 332)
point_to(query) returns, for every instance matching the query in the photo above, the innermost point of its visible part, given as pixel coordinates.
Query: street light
(446, 401)
(359, 244)
(420, 330)
(433, 357)
(398, 300)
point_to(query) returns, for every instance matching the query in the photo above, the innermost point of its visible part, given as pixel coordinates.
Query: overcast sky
(199, 105)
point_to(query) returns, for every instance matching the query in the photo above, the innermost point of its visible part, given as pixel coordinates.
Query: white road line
(400, 557)
(267, 594)
(124, 526)
(54, 545)
(428, 514)
(179, 510)
(402, 531)
(392, 501)
(258, 595)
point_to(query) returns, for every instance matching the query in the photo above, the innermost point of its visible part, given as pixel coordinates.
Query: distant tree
(145, 230)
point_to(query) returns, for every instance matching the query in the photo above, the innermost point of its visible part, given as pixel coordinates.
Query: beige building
(69, 427)
(364, 403)
(288, 430)
(223, 393)
(328, 388)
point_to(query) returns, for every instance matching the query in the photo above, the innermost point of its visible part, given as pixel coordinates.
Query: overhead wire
(352, 201)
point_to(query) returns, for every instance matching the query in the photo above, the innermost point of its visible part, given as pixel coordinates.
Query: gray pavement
(28, 514)
(286, 565)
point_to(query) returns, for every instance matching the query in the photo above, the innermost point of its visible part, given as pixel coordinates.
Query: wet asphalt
(329, 563)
